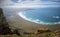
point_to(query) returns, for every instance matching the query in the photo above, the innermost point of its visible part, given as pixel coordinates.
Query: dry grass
(50, 34)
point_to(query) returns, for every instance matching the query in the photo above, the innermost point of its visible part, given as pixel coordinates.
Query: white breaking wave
(21, 14)
(57, 17)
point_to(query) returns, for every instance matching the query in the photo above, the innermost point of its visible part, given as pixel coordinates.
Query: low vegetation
(5, 31)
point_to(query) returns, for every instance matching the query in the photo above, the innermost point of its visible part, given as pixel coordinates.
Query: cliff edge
(4, 26)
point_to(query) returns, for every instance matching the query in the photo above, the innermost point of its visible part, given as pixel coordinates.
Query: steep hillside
(4, 27)
(5, 31)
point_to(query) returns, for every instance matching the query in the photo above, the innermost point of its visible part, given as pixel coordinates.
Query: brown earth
(23, 28)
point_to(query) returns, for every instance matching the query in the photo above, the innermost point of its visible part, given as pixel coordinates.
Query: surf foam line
(21, 14)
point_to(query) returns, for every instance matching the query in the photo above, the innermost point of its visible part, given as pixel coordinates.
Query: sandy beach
(20, 23)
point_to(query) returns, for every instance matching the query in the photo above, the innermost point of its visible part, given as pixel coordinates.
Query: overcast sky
(29, 3)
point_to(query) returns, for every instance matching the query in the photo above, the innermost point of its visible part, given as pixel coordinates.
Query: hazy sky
(29, 3)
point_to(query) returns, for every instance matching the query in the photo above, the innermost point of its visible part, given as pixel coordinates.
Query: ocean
(42, 15)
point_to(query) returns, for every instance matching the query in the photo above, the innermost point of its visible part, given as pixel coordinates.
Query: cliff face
(4, 27)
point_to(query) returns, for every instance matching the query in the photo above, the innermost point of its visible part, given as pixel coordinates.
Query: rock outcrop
(4, 26)
(42, 30)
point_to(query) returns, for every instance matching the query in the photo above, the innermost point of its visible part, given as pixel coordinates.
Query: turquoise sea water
(43, 15)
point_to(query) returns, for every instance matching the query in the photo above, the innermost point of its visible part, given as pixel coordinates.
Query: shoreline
(36, 20)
